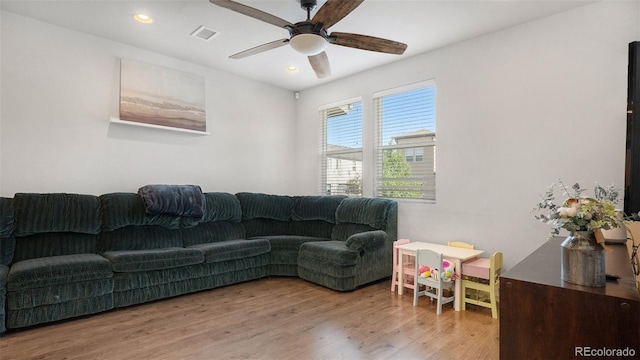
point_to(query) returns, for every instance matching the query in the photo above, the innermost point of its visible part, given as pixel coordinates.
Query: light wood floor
(274, 318)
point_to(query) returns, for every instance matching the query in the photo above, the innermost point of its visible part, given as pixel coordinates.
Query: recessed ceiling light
(143, 18)
(292, 69)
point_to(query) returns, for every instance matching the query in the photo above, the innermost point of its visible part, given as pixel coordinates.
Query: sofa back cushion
(310, 208)
(314, 215)
(7, 249)
(53, 244)
(265, 227)
(54, 224)
(46, 213)
(219, 207)
(127, 225)
(7, 241)
(222, 220)
(264, 215)
(211, 232)
(355, 215)
(125, 209)
(264, 206)
(313, 228)
(6, 217)
(139, 237)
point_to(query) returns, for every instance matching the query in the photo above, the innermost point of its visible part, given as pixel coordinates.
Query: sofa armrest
(366, 241)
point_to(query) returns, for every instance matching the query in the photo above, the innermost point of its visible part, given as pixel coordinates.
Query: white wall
(59, 89)
(516, 110)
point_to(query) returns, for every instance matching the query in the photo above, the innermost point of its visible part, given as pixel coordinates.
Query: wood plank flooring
(273, 318)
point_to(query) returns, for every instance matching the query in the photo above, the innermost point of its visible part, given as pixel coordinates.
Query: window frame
(429, 185)
(324, 187)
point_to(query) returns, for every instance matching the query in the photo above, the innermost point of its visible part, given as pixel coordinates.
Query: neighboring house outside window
(405, 141)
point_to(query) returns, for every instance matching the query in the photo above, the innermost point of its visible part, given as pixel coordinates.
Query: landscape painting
(163, 97)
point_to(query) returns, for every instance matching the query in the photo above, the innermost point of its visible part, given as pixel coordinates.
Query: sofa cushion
(139, 238)
(155, 259)
(124, 209)
(289, 242)
(219, 207)
(315, 228)
(367, 211)
(328, 252)
(56, 270)
(7, 249)
(267, 227)
(284, 253)
(316, 208)
(6, 217)
(53, 244)
(256, 205)
(40, 213)
(210, 232)
(233, 249)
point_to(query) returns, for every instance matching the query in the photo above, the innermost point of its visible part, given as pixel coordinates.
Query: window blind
(405, 142)
(341, 149)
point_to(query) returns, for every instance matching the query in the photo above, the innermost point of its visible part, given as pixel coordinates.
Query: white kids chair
(434, 283)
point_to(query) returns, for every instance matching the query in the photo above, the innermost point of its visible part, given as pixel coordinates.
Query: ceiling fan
(310, 37)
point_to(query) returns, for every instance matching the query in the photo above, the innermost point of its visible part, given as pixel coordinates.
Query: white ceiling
(423, 25)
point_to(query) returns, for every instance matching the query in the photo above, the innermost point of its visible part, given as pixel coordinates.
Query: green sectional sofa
(68, 255)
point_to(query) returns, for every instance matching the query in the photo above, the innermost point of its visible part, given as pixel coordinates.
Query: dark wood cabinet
(542, 317)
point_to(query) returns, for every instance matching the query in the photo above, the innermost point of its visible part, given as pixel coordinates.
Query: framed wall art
(155, 96)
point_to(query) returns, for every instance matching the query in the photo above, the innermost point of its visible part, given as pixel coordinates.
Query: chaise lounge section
(68, 255)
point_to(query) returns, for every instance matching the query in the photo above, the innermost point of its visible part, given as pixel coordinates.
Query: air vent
(204, 33)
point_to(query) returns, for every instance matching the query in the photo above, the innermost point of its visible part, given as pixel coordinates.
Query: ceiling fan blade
(252, 12)
(260, 48)
(333, 11)
(366, 42)
(320, 64)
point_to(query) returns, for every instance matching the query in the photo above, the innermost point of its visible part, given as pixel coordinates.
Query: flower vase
(583, 260)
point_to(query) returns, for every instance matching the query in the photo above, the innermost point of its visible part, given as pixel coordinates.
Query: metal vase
(583, 260)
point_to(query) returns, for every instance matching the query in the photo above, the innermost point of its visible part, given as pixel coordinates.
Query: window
(341, 149)
(408, 154)
(405, 142)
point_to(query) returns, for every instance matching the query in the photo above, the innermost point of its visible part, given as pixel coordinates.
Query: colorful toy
(424, 271)
(449, 273)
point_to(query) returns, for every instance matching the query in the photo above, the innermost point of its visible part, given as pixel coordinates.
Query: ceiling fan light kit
(310, 37)
(308, 44)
